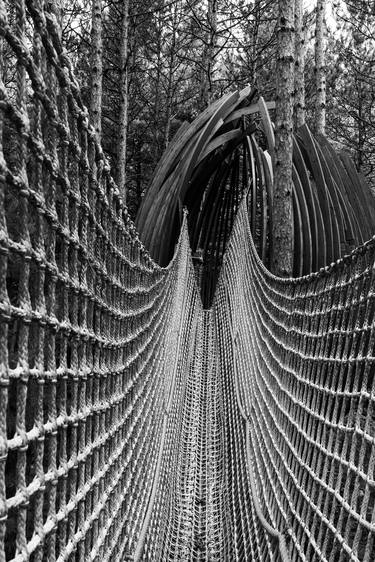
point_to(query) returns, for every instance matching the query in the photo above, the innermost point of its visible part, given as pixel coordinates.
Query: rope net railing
(87, 320)
(134, 425)
(297, 369)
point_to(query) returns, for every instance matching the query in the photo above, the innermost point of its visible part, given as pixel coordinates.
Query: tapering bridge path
(134, 424)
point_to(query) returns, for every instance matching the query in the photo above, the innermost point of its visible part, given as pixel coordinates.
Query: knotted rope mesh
(86, 320)
(133, 423)
(297, 364)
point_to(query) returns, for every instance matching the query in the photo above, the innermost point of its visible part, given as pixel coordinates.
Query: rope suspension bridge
(201, 409)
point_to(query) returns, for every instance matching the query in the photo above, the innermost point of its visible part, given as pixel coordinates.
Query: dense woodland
(146, 67)
(170, 58)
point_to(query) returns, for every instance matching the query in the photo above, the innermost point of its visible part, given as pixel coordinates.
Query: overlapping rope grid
(297, 364)
(134, 425)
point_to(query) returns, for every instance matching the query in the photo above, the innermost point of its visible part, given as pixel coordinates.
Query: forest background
(160, 63)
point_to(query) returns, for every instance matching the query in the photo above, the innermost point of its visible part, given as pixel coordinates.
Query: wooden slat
(209, 130)
(253, 187)
(268, 127)
(268, 180)
(235, 134)
(333, 207)
(352, 231)
(360, 196)
(337, 224)
(298, 238)
(252, 110)
(304, 226)
(322, 192)
(303, 175)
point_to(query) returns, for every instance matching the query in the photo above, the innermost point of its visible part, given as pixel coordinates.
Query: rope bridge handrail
(299, 368)
(133, 423)
(85, 318)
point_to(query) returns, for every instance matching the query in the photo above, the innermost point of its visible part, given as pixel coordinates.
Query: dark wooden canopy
(228, 151)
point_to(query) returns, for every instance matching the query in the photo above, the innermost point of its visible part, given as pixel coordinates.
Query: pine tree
(351, 85)
(209, 54)
(282, 235)
(96, 67)
(123, 121)
(320, 71)
(254, 57)
(299, 79)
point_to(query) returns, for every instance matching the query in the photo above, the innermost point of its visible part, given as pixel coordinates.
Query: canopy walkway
(136, 424)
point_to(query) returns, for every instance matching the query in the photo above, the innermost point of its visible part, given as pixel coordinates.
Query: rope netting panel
(87, 320)
(297, 375)
(133, 423)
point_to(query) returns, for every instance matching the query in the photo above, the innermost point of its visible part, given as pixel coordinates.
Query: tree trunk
(159, 26)
(360, 127)
(255, 43)
(299, 79)
(209, 55)
(282, 234)
(320, 71)
(96, 67)
(171, 69)
(123, 125)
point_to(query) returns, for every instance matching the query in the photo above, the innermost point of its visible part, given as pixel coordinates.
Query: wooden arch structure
(229, 151)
